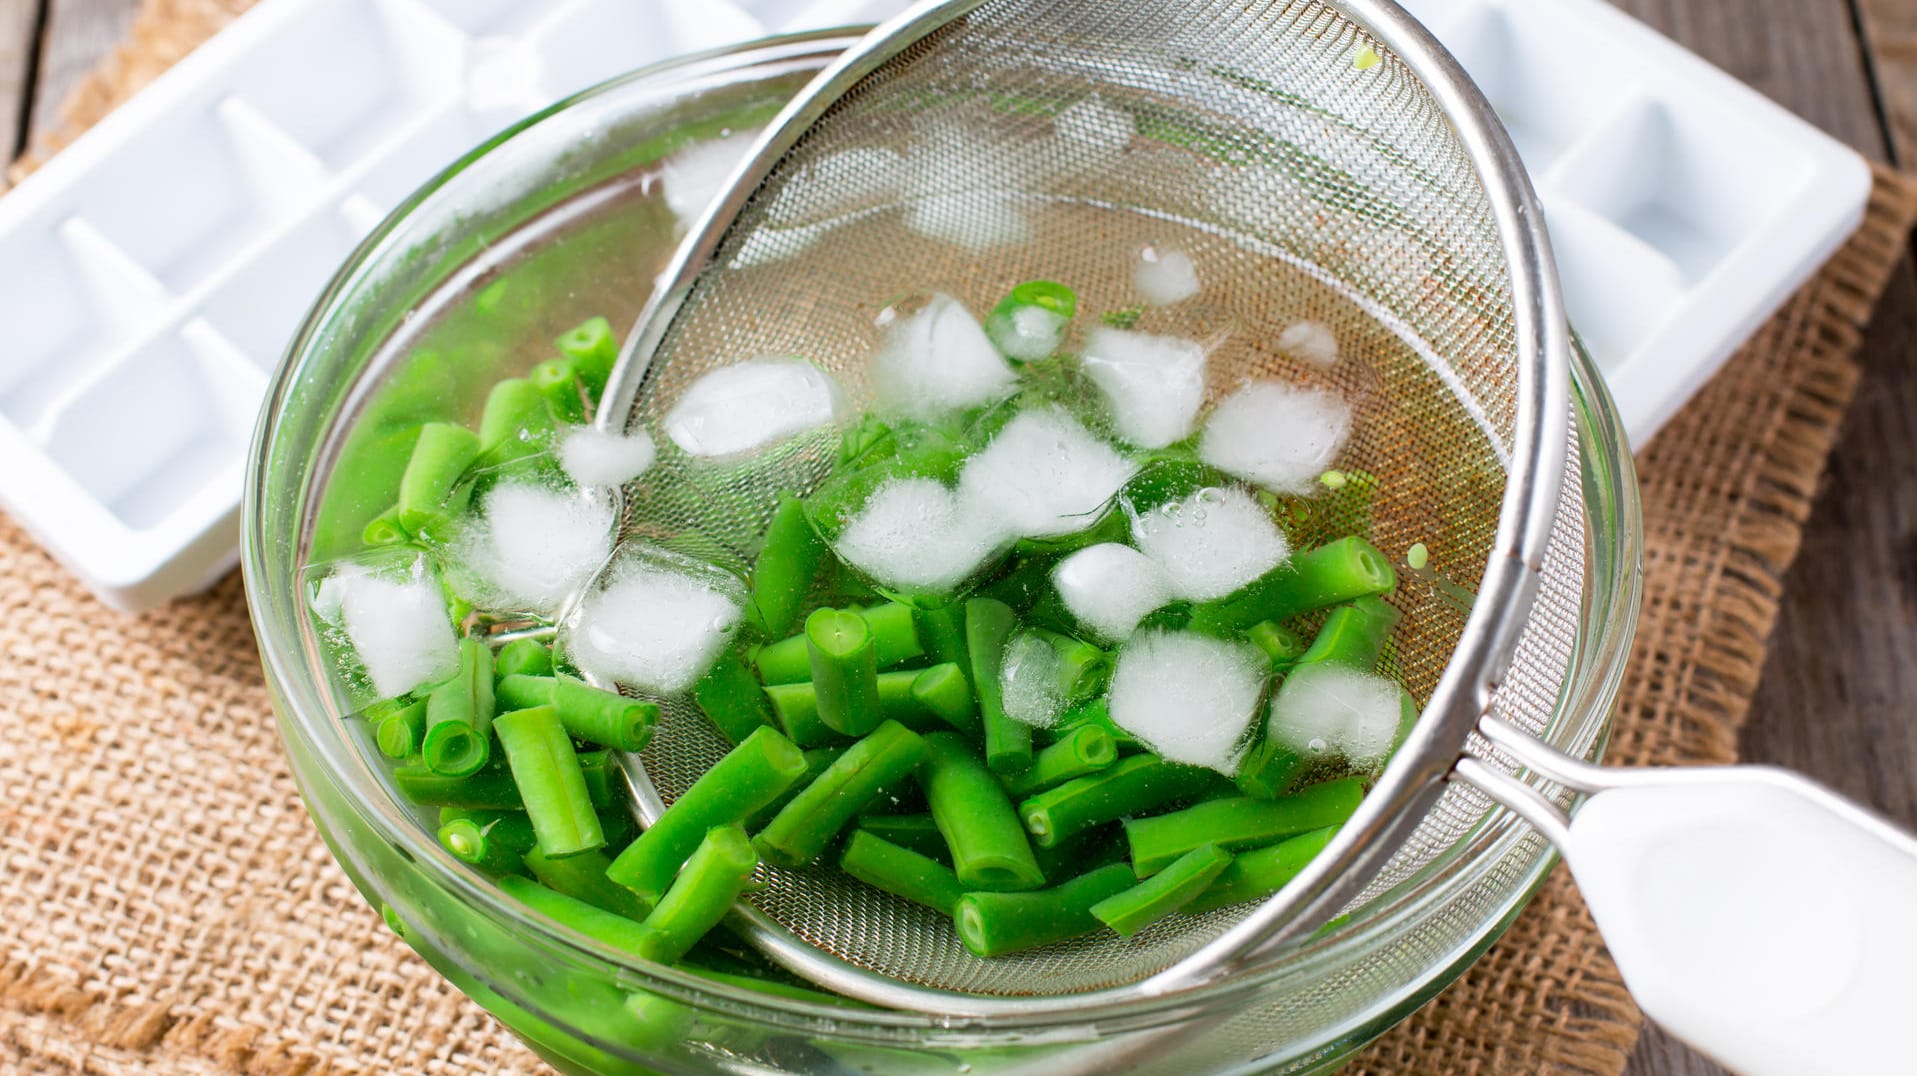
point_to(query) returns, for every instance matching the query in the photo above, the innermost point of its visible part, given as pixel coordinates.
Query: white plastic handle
(1762, 919)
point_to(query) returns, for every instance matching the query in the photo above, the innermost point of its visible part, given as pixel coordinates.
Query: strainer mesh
(1032, 141)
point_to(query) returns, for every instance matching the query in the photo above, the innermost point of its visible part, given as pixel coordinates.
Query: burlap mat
(165, 906)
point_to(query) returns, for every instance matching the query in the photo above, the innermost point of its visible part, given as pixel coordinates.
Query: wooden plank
(1890, 40)
(78, 34)
(19, 20)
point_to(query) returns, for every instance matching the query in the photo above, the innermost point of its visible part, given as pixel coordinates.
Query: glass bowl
(558, 219)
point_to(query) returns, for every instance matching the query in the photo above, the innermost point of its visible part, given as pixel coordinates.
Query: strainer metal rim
(1416, 777)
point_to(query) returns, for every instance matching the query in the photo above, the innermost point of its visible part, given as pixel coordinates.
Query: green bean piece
(559, 384)
(1095, 712)
(1025, 585)
(923, 700)
(900, 872)
(994, 924)
(944, 692)
(802, 829)
(730, 695)
(1082, 667)
(608, 927)
(1258, 874)
(385, 529)
(593, 349)
(750, 776)
(510, 826)
(796, 708)
(942, 629)
(440, 456)
(515, 421)
(975, 816)
(583, 877)
(989, 625)
(458, 714)
(701, 895)
(1353, 635)
(1340, 571)
(1280, 644)
(606, 718)
(1087, 851)
(1086, 749)
(492, 788)
(1163, 893)
(469, 840)
(399, 733)
(895, 637)
(918, 832)
(817, 761)
(1130, 786)
(523, 657)
(844, 660)
(1239, 823)
(550, 782)
(789, 560)
(776, 989)
(522, 691)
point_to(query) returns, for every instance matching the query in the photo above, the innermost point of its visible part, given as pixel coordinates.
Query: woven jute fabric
(165, 905)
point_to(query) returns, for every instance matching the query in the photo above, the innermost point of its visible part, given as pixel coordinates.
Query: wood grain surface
(1837, 695)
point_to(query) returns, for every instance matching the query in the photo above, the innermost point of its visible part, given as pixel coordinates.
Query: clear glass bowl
(559, 219)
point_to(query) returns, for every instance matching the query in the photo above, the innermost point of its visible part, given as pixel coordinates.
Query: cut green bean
(944, 692)
(1095, 713)
(1258, 874)
(700, 896)
(1340, 571)
(1082, 667)
(1130, 786)
(844, 660)
(923, 700)
(749, 777)
(440, 456)
(593, 349)
(458, 714)
(1087, 851)
(989, 625)
(612, 929)
(472, 841)
(559, 384)
(550, 782)
(817, 761)
(523, 657)
(1280, 644)
(1163, 893)
(1238, 824)
(730, 695)
(605, 718)
(975, 816)
(900, 872)
(788, 563)
(942, 630)
(776, 989)
(895, 639)
(515, 420)
(522, 691)
(994, 924)
(1082, 750)
(796, 708)
(802, 829)
(583, 877)
(1353, 635)
(917, 832)
(400, 732)
(385, 529)
(492, 788)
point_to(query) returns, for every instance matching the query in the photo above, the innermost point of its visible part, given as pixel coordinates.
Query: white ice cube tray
(152, 273)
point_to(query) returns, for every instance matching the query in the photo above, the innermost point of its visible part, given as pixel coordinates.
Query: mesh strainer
(1319, 161)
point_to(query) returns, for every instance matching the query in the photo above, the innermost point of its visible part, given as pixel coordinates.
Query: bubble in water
(1317, 746)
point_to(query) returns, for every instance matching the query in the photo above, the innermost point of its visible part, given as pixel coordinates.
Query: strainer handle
(1759, 917)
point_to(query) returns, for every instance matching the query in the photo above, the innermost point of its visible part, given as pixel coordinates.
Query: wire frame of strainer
(1319, 161)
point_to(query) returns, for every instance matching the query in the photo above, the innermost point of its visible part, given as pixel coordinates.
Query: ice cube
(913, 533)
(1093, 133)
(1044, 475)
(1280, 436)
(974, 219)
(938, 359)
(395, 618)
(838, 183)
(1028, 681)
(1031, 333)
(656, 622)
(1153, 384)
(767, 245)
(1210, 543)
(1312, 341)
(595, 457)
(1190, 698)
(1108, 588)
(1164, 275)
(531, 547)
(1332, 711)
(748, 405)
(967, 185)
(691, 178)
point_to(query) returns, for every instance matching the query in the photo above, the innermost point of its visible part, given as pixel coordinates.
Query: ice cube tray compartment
(152, 274)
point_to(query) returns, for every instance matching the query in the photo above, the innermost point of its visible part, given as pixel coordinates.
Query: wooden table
(1838, 693)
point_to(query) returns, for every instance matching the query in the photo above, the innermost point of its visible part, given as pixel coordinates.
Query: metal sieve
(1320, 161)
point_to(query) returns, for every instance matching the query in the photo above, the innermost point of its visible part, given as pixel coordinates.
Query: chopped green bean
(749, 777)
(385, 529)
(700, 896)
(895, 639)
(1353, 635)
(942, 629)
(989, 625)
(594, 922)
(605, 718)
(1085, 749)
(1258, 874)
(400, 732)
(844, 660)
(550, 782)
(1129, 786)
(918, 832)
(1088, 851)
(527, 657)
(1340, 571)
(802, 829)
(1280, 644)
(593, 349)
(776, 989)
(989, 846)
(515, 420)
(817, 761)
(796, 707)
(923, 700)
(471, 841)
(729, 694)
(583, 877)
(492, 788)
(559, 384)
(458, 714)
(1239, 823)
(1095, 713)
(900, 871)
(944, 692)
(1163, 893)
(994, 924)
(440, 456)
(522, 691)
(788, 563)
